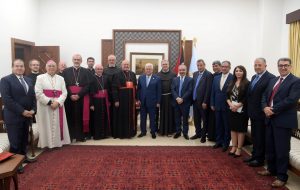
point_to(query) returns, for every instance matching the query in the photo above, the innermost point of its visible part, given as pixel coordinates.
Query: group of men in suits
(272, 105)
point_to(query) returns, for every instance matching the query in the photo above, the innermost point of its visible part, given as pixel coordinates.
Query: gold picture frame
(138, 61)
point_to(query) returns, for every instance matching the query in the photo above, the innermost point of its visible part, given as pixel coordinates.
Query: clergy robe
(166, 121)
(52, 124)
(124, 92)
(77, 82)
(91, 125)
(33, 77)
(109, 72)
(99, 99)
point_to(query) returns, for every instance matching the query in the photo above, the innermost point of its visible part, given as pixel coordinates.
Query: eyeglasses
(284, 66)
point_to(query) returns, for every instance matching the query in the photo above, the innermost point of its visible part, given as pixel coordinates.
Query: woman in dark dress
(238, 117)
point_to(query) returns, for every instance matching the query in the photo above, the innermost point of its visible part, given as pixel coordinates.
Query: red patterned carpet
(128, 167)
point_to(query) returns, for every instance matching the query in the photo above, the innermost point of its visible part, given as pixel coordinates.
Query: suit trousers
(222, 128)
(18, 137)
(182, 117)
(278, 145)
(258, 133)
(152, 116)
(200, 119)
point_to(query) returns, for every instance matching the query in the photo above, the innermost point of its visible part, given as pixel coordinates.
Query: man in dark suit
(182, 94)
(257, 86)
(211, 131)
(19, 107)
(279, 103)
(149, 94)
(219, 105)
(202, 80)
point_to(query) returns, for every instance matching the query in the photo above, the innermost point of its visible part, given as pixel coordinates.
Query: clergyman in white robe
(52, 124)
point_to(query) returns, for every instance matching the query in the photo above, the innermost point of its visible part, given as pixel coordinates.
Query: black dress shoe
(217, 146)
(194, 137)
(141, 135)
(255, 163)
(153, 136)
(225, 148)
(177, 135)
(203, 140)
(186, 137)
(248, 159)
(21, 169)
(29, 160)
(231, 154)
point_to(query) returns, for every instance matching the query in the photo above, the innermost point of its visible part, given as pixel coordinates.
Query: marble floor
(293, 183)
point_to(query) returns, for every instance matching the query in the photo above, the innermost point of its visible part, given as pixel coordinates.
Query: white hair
(149, 65)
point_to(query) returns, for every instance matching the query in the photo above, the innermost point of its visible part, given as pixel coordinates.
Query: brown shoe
(264, 173)
(278, 183)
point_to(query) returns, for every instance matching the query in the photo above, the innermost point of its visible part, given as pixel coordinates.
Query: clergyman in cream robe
(52, 123)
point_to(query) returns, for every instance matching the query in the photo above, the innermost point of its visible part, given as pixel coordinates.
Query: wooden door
(44, 54)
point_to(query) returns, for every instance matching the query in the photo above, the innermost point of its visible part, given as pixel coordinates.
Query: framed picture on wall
(138, 60)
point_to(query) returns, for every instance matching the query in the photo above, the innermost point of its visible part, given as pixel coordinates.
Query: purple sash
(56, 94)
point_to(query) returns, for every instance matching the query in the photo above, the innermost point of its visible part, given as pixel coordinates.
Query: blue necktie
(147, 80)
(23, 84)
(254, 81)
(196, 86)
(180, 86)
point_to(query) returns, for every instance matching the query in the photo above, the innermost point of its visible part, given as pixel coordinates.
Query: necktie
(275, 89)
(196, 86)
(148, 80)
(23, 84)
(253, 83)
(222, 82)
(180, 86)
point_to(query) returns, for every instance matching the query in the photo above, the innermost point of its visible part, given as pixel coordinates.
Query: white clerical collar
(35, 72)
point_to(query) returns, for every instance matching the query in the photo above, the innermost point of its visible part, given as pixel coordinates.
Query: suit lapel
(17, 81)
(284, 83)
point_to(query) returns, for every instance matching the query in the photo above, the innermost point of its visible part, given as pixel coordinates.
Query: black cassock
(77, 123)
(99, 99)
(33, 76)
(109, 73)
(166, 121)
(124, 92)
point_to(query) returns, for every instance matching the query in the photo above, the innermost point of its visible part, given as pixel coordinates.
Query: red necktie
(275, 89)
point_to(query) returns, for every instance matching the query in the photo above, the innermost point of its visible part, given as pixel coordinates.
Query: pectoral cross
(77, 83)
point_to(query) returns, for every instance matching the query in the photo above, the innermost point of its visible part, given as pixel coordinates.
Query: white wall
(237, 30)
(224, 29)
(19, 19)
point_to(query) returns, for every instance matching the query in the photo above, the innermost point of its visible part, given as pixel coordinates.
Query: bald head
(182, 70)
(62, 66)
(260, 65)
(165, 65)
(125, 66)
(111, 59)
(99, 69)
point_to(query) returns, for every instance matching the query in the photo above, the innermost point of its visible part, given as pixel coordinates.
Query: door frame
(15, 42)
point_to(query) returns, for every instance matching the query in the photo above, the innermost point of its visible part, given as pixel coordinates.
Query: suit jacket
(186, 90)
(15, 99)
(255, 110)
(204, 87)
(218, 97)
(149, 96)
(284, 102)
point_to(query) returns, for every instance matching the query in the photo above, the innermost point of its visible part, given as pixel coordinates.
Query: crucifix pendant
(77, 84)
